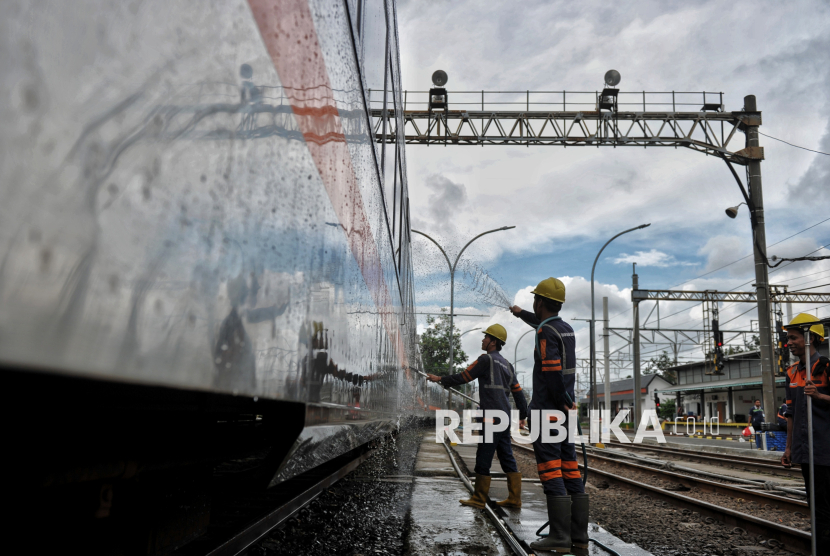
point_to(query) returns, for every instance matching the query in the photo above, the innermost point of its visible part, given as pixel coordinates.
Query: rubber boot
(479, 497)
(559, 522)
(514, 491)
(579, 524)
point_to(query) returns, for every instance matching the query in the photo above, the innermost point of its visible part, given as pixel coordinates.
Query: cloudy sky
(565, 203)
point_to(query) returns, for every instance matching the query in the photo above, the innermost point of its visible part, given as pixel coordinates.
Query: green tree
(667, 410)
(660, 365)
(435, 347)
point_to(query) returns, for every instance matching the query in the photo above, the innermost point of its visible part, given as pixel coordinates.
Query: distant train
(206, 284)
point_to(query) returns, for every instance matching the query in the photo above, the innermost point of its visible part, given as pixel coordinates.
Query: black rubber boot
(579, 524)
(559, 522)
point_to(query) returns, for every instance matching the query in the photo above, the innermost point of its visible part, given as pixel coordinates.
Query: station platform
(441, 525)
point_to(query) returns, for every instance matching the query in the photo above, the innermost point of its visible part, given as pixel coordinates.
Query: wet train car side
(205, 274)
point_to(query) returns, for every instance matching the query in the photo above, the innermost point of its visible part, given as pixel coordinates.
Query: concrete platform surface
(440, 525)
(533, 514)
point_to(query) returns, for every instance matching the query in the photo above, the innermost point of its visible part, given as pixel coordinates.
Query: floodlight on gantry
(439, 78)
(612, 78)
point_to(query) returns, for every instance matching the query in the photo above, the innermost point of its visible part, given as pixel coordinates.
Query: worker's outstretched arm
(527, 316)
(467, 375)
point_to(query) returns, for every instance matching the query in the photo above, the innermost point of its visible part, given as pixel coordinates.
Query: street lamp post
(466, 386)
(593, 370)
(515, 349)
(452, 278)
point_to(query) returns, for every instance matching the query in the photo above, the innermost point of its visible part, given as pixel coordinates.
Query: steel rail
(752, 464)
(254, 531)
(504, 530)
(791, 538)
(704, 485)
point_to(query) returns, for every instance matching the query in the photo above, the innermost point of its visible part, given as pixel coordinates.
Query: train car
(206, 285)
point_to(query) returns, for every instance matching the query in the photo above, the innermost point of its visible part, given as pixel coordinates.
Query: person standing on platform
(797, 451)
(554, 376)
(782, 415)
(756, 419)
(496, 381)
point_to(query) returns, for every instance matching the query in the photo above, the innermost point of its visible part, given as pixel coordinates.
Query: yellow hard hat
(806, 317)
(552, 288)
(497, 331)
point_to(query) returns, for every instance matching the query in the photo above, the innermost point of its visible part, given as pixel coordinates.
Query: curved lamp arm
(593, 315)
(516, 348)
(606, 245)
(449, 264)
(472, 240)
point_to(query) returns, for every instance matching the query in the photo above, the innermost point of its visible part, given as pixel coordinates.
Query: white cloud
(578, 196)
(651, 258)
(555, 194)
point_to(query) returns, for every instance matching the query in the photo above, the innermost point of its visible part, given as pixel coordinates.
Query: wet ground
(364, 514)
(660, 529)
(399, 503)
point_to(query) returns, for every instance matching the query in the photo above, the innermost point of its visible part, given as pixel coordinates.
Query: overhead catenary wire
(793, 145)
(747, 256)
(727, 265)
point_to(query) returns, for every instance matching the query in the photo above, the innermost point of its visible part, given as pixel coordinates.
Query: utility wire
(747, 256)
(810, 288)
(796, 146)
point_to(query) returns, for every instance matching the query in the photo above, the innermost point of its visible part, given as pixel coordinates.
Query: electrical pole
(636, 341)
(607, 356)
(751, 123)
(452, 267)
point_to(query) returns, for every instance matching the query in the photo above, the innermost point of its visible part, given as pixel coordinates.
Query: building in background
(622, 395)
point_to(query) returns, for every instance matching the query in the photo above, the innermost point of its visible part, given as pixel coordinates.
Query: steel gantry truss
(776, 294)
(710, 298)
(563, 118)
(697, 121)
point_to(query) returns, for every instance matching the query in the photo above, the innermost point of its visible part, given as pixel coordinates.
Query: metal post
(516, 347)
(636, 341)
(761, 270)
(452, 316)
(452, 280)
(812, 493)
(593, 371)
(607, 356)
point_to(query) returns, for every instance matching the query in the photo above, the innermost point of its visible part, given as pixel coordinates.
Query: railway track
(239, 525)
(788, 537)
(747, 463)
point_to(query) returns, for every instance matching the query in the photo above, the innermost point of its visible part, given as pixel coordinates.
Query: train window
(401, 223)
(375, 55)
(355, 8)
(389, 161)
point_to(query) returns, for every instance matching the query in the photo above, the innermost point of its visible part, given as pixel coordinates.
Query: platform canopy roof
(718, 385)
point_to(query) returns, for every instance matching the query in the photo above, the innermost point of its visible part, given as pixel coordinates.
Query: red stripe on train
(287, 28)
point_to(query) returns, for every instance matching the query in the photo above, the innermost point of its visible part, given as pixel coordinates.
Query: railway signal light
(656, 401)
(783, 358)
(717, 334)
